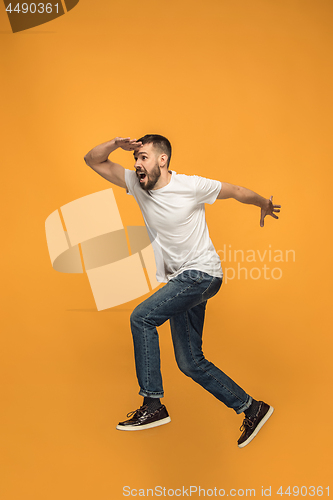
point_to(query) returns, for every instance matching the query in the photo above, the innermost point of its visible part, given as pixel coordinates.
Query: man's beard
(153, 177)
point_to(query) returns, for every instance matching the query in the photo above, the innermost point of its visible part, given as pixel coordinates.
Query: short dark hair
(159, 142)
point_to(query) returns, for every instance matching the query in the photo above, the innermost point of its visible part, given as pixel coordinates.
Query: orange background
(243, 90)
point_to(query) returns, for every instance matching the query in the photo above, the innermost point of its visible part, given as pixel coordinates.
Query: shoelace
(139, 410)
(246, 423)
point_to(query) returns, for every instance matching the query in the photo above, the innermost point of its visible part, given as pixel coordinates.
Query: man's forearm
(245, 195)
(101, 153)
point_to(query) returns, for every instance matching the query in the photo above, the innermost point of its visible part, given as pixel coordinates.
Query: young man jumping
(173, 208)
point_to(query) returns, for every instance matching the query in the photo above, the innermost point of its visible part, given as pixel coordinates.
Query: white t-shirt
(175, 219)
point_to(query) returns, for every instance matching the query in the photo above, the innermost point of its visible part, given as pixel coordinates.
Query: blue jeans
(183, 301)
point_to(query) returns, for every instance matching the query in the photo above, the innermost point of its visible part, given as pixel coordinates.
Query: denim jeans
(183, 301)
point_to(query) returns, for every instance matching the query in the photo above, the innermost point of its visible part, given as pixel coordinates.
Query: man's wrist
(114, 143)
(264, 203)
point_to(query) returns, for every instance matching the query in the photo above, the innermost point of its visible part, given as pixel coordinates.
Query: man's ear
(163, 160)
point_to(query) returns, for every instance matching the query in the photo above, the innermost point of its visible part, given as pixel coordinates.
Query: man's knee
(188, 366)
(136, 316)
(140, 315)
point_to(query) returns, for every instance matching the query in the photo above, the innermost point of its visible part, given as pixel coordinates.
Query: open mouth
(141, 176)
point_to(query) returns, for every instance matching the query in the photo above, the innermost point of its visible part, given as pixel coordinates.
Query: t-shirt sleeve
(206, 190)
(130, 179)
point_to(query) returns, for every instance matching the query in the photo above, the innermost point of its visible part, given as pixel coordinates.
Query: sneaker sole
(145, 426)
(254, 433)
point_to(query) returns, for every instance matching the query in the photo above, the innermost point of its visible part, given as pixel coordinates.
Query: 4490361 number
(33, 8)
(304, 491)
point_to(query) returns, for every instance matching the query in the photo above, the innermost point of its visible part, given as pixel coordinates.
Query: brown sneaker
(144, 419)
(251, 426)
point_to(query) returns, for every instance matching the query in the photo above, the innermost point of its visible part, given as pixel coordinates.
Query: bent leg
(186, 329)
(181, 293)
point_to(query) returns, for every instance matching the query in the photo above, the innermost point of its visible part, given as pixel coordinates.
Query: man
(173, 209)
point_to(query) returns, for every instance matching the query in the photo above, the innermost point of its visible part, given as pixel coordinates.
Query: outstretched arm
(245, 195)
(98, 160)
